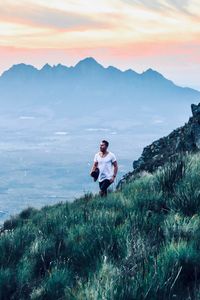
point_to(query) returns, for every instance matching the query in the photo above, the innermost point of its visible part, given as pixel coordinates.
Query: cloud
(166, 5)
(42, 16)
(179, 4)
(155, 5)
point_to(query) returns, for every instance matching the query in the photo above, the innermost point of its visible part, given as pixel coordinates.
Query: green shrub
(175, 273)
(7, 284)
(56, 285)
(177, 227)
(135, 269)
(169, 175)
(15, 242)
(148, 205)
(25, 276)
(19, 220)
(186, 198)
(101, 284)
(12, 223)
(84, 246)
(27, 213)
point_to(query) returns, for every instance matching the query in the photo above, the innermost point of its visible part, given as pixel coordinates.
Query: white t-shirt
(105, 165)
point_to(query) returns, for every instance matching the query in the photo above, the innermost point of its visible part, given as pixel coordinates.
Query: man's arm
(95, 165)
(114, 171)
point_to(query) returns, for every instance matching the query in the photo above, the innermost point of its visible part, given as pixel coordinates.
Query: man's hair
(106, 143)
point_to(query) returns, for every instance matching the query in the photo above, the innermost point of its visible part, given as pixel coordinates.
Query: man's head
(103, 146)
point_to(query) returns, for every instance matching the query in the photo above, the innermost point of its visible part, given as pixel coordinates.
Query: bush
(7, 284)
(147, 206)
(178, 227)
(56, 285)
(15, 243)
(14, 222)
(27, 213)
(172, 172)
(101, 284)
(175, 273)
(186, 198)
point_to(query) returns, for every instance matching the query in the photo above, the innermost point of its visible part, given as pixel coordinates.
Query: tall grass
(142, 242)
(168, 176)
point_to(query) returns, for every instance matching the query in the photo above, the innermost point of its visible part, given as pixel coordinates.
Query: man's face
(103, 147)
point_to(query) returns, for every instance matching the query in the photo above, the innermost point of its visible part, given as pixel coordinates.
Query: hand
(112, 179)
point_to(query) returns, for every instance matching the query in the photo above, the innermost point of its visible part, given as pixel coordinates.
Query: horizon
(69, 66)
(137, 35)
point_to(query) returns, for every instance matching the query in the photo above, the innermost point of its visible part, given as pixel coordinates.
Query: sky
(129, 34)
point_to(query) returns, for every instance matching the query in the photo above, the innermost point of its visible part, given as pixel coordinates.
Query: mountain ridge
(82, 65)
(126, 94)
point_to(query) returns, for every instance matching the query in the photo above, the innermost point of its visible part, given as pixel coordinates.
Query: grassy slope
(140, 243)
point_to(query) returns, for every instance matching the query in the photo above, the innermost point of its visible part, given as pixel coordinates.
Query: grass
(142, 242)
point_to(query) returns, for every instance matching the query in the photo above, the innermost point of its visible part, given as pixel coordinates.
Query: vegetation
(142, 242)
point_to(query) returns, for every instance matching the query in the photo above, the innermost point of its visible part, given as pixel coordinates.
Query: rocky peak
(196, 111)
(88, 64)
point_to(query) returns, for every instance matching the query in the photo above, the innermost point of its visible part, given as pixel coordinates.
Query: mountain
(88, 87)
(88, 64)
(90, 103)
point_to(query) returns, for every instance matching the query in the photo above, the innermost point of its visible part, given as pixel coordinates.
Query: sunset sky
(160, 34)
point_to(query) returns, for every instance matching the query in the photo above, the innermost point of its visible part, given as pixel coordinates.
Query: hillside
(140, 243)
(183, 140)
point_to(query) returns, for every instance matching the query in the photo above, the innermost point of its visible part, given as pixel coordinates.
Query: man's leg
(103, 187)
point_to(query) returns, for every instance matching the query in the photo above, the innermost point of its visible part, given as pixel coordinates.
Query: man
(105, 164)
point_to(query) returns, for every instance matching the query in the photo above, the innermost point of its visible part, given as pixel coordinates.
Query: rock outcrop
(185, 139)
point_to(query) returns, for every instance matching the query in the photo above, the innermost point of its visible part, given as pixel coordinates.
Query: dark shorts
(103, 185)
